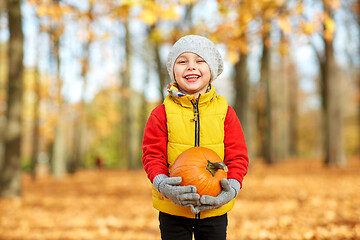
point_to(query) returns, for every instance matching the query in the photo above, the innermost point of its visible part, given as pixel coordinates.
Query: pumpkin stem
(213, 167)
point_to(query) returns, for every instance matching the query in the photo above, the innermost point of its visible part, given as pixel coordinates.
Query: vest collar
(188, 100)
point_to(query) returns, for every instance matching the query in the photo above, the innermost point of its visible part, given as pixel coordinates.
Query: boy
(193, 115)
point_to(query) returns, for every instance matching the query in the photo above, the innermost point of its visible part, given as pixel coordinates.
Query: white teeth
(191, 77)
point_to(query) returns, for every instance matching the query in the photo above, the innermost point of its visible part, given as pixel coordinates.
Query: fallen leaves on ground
(291, 200)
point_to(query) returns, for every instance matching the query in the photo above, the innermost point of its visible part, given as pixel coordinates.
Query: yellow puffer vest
(190, 124)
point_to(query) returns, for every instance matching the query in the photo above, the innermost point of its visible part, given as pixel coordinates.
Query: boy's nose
(191, 67)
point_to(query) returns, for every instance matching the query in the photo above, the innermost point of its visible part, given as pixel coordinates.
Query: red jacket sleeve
(154, 144)
(236, 156)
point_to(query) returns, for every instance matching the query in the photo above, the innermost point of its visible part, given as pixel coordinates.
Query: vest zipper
(197, 121)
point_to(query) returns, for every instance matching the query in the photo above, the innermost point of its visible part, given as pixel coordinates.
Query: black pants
(181, 228)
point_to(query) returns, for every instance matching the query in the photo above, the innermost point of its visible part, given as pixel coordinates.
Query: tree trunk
(281, 101)
(331, 93)
(293, 112)
(187, 24)
(10, 177)
(358, 77)
(266, 74)
(259, 105)
(3, 63)
(160, 69)
(58, 154)
(266, 112)
(242, 90)
(324, 104)
(79, 137)
(334, 150)
(58, 162)
(126, 122)
(143, 114)
(142, 118)
(36, 124)
(80, 125)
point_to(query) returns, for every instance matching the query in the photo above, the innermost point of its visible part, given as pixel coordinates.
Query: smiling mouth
(192, 77)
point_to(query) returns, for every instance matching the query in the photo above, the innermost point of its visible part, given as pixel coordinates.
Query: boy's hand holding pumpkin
(230, 189)
(184, 196)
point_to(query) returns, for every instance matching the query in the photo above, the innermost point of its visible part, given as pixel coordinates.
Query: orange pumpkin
(202, 168)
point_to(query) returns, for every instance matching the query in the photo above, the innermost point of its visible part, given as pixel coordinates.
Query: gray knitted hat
(200, 46)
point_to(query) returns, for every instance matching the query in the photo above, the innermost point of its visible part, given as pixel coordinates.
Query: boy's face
(192, 74)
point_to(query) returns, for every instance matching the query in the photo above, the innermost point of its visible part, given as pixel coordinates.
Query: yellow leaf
(147, 16)
(130, 3)
(56, 12)
(156, 35)
(270, 13)
(299, 8)
(267, 42)
(334, 4)
(284, 47)
(237, 32)
(223, 10)
(242, 45)
(246, 17)
(32, 2)
(330, 28)
(233, 56)
(307, 27)
(66, 9)
(92, 36)
(42, 11)
(266, 28)
(186, 1)
(284, 25)
(169, 14)
(330, 24)
(121, 12)
(244, 48)
(105, 36)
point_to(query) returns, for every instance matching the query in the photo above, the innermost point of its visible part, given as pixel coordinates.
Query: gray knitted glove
(184, 196)
(230, 189)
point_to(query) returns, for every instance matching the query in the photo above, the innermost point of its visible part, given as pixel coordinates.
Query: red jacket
(155, 144)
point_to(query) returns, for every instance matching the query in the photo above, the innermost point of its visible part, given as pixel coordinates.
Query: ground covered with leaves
(291, 200)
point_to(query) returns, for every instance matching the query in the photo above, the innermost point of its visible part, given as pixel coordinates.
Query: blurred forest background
(78, 79)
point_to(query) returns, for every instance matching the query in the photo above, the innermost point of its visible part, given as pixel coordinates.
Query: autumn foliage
(292, 200)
